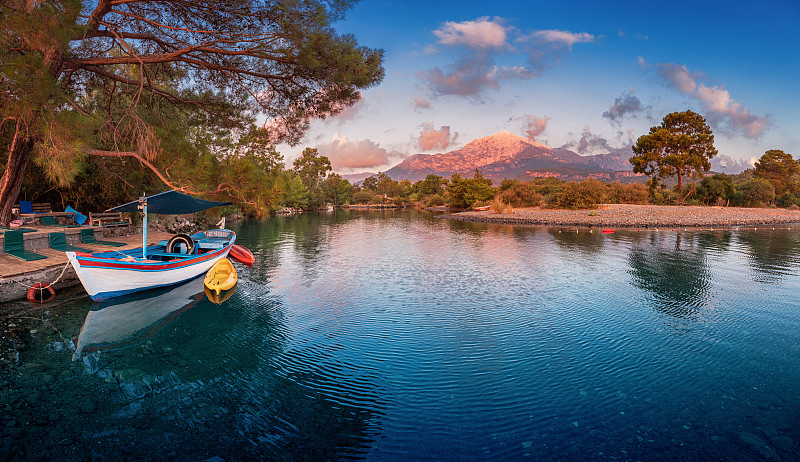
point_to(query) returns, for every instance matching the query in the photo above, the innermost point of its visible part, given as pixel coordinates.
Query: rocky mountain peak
(504, 141)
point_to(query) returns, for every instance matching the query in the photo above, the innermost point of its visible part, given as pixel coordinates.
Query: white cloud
(559, 37)
(544, 48)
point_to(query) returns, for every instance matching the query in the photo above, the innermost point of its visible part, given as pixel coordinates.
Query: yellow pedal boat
(221, 276)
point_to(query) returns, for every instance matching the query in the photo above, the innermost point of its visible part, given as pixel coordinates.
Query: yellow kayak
(219, 298)
(221, 276)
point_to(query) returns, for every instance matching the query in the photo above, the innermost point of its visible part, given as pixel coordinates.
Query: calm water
(399, 336)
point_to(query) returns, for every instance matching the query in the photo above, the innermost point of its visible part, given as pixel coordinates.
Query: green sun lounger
(51, 221)
(58, 241)
(87, 237)
(12, 245)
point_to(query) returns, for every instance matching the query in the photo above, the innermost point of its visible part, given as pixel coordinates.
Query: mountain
(616, 160)
(505, 155)
(357, 177)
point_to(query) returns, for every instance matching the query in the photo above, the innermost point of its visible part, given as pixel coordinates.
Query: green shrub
(788, 199)
(498, 206)
(363, 197)
(757, 193)
(435, 201)
(584, 195)
(716, 190)
(521, 195)
(548, 187)
(633, 193)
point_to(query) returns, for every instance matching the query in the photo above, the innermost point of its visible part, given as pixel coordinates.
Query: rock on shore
(637, 216)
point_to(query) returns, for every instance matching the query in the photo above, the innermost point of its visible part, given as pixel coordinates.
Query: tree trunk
(680, 184)
(11, 182)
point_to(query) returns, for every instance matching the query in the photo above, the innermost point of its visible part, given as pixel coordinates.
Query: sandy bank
(643, 216)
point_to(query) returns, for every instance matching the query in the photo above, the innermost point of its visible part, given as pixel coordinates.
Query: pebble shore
(637, 216)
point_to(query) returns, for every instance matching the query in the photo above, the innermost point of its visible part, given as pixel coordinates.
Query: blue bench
(212, 243)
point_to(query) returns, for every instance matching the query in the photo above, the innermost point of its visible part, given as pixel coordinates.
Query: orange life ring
(38, 290)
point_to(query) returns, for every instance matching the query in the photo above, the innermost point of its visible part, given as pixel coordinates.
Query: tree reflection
(672, 267)
(586, 241)
(772, 254)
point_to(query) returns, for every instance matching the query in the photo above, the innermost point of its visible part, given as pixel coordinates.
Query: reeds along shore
(637, 216)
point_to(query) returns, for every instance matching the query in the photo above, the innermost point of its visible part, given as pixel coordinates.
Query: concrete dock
(17, 276)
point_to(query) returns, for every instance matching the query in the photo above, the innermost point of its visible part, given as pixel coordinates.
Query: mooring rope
(63, 270)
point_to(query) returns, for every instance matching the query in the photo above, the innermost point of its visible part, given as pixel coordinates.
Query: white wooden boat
(111, 274)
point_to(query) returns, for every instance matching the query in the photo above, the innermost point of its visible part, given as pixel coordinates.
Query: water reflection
(417, 342)
(169, 375)
(586, 241)
(672, 268)
(772, 254)
(130, 320)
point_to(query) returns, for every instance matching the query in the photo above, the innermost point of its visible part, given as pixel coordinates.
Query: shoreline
(636, 216)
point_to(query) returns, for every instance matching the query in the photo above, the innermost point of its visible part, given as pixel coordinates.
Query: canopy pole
(143, 208)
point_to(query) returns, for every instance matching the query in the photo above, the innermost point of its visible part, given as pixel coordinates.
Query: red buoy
(242, 255)
(608, 231)
(40, 293)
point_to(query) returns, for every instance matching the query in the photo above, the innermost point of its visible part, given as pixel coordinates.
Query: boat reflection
(219, 297)
(130, 320)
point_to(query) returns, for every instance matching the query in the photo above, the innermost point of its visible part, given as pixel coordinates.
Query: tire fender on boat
(36, 294)
(178, 239)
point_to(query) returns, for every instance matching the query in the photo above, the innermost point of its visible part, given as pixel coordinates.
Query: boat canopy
(170, 203)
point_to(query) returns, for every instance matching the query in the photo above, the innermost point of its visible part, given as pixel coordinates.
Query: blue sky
(588, 76)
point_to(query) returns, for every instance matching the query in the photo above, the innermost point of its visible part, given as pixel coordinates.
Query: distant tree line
(257, 179)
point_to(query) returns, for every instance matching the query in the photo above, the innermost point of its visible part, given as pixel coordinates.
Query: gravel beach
(637, 216)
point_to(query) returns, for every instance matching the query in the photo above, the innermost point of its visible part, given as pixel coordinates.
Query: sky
(589, 76)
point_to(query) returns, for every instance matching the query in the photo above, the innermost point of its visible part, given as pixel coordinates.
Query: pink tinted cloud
(430, 138)
(481, 33)
(344, 153)
(722, 110)
(479, 41)
(420, 103)
(535, 126)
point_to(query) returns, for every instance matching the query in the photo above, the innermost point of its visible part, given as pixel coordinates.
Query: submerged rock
(782, 443)
(749, 439)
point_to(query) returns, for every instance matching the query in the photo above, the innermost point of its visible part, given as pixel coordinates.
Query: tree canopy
(682, 145)
(780, 169)
(170, 84)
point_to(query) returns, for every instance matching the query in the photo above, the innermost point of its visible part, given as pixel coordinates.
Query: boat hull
(109, 277)
(221, 276)
(242, 254)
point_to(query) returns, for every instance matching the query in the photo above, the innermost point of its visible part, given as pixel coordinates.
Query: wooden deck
(16, 274)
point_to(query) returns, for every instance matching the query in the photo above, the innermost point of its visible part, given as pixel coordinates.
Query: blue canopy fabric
(170, 203)
(77, 216)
